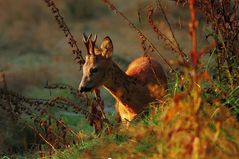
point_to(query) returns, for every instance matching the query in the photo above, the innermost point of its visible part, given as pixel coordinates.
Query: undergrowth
(155, 136)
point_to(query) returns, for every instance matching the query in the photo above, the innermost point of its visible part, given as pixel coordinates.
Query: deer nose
(84, 89)
(81, 89)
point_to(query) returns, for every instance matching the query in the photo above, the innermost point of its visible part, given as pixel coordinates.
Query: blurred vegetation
(85, 10)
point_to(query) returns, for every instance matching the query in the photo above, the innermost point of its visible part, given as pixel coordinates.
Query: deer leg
(117, 117)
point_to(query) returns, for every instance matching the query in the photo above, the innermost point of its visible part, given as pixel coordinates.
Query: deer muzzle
(84, 89)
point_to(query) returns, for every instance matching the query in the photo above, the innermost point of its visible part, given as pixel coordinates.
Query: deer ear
(107, 47)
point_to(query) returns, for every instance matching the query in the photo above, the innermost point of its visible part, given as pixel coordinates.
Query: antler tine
(87, 43)
(92, 43)
(89, 37)
(84, 38)
(95, 38)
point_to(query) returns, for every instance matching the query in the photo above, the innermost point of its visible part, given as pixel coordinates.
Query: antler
(93, 44)
(86, 42)
(95, 38)
(90, 45)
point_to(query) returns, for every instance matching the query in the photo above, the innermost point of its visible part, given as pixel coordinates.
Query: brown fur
(142, 83)
(137, 87)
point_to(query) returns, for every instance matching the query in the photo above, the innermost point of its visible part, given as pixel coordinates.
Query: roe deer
(142, 83)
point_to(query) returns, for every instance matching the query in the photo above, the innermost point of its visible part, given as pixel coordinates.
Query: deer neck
(125, 88)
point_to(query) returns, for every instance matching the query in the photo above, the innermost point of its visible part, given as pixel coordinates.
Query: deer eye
(94, 70)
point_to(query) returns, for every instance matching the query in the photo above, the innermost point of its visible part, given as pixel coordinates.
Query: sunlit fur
(143, 82)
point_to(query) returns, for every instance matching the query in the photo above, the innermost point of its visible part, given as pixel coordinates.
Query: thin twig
(40, 135)
(192, 29)
(141, 34)
(181, 53)
(72, 42)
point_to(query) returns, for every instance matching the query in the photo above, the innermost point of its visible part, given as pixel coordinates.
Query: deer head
(97, 64)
